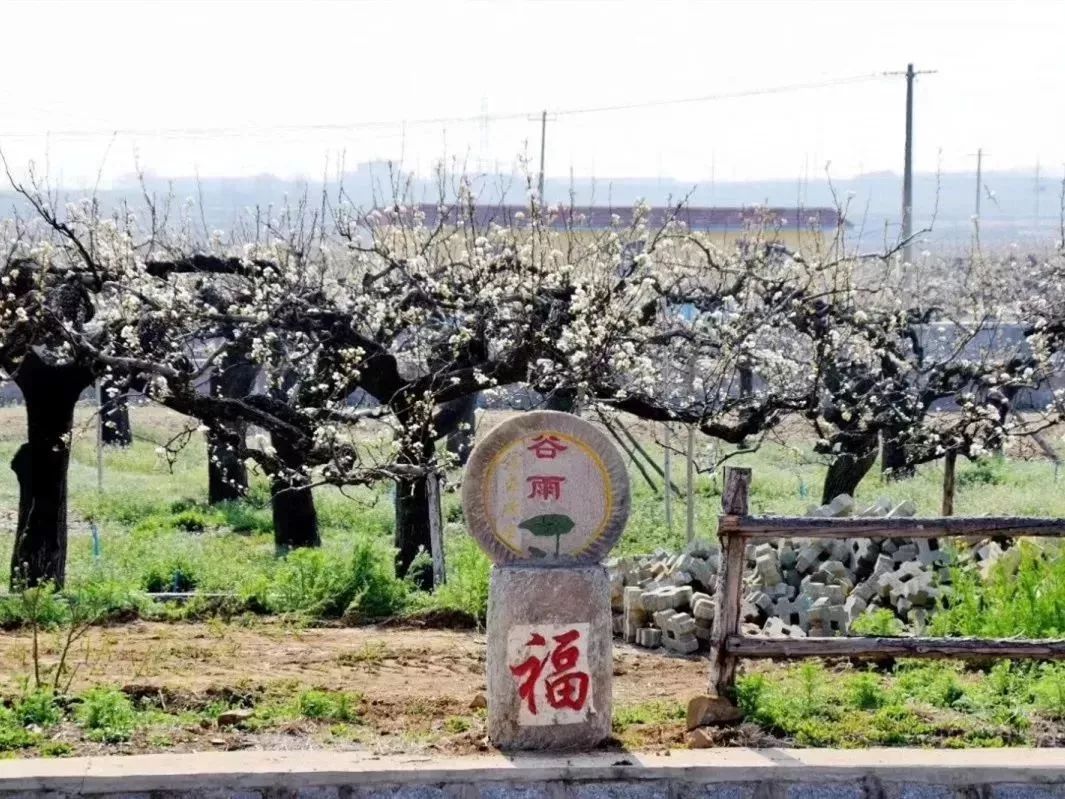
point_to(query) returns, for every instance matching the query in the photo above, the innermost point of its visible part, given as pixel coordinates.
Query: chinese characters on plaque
(549, 663)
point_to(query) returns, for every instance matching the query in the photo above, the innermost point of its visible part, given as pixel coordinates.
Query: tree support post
(728, 598)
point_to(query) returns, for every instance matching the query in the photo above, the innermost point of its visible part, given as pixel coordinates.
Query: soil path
(419, 688)
(378, 662)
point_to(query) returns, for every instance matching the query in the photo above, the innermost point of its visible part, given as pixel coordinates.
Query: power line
(444, 120)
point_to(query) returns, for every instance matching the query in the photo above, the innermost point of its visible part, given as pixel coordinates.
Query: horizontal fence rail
(736, 529)
(769, 528)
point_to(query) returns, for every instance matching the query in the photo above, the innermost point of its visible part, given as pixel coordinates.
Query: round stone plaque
(546, 487)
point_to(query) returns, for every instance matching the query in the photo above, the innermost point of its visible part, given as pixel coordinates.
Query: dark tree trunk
(50, 393)
(412, 511)
(564, 399)
(114, 412)
(295, 519)
(227, 474)
(894, 461)
(746, 381)
(456, 422)
(847, 470)
(412, 527)
(292, 502)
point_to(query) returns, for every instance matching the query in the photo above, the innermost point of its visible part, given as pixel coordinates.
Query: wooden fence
(736, 529)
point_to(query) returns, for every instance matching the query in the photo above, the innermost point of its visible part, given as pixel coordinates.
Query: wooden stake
(948, 482)
(668, 465)
(436, 531)
(691, 484)
(729, 595)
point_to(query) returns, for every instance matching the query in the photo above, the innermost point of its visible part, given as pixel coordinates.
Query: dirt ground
(419, 688)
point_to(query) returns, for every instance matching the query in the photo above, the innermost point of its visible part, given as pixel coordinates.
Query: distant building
(599, 217)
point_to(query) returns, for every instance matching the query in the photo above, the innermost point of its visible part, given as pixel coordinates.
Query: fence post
(729, 596)
(436, 532)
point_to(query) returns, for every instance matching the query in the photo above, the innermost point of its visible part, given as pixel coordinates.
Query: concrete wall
(704, 774)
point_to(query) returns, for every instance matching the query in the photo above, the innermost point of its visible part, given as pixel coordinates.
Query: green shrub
(377, 591)
(1023, 595)
(934, 683)
(108, 715)
(242, 517)
(1049, 692)
(877, 622)
(322, 584)
(984, 472)
(38, 707)
(173, 573)
(55, 749)
(43, 606)
(13, 735)
(866, 692)
(328, 705)
(466, 588)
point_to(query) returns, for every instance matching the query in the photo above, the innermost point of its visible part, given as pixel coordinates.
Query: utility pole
(543, 150)
(979, 178)
(907, 170)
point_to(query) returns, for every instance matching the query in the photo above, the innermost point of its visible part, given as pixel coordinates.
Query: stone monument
(546, 494)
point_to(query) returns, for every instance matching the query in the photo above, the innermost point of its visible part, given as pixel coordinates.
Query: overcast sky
(235, 88)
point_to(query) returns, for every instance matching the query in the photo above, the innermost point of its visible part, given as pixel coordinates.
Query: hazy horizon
(299, 89)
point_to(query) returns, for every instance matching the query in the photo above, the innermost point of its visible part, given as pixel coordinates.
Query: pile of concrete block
(792, 587)
(665, 600)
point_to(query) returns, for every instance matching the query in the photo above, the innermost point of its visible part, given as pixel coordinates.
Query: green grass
(916, 704)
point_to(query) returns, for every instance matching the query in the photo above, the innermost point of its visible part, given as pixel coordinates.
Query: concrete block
(649, 637)
(632, 598)
(929, 553)
(704, 573)
(905, 508)
(854, 607)
(683, 644)
(703, 608)
(905, 553)
(787, 554)
(810, 554)
(767, 567)
(826, 616)
(775, 628)
(793, 611)
(675, 623)
(667, 598)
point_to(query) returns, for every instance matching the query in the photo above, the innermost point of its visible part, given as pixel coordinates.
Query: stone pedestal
(549, 657)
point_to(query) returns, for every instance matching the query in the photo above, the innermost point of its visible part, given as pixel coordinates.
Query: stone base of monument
(549, 657)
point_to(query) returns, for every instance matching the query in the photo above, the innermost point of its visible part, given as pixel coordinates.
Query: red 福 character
(545, 487)
(530, 669)
(566, 688)
(546, 447)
